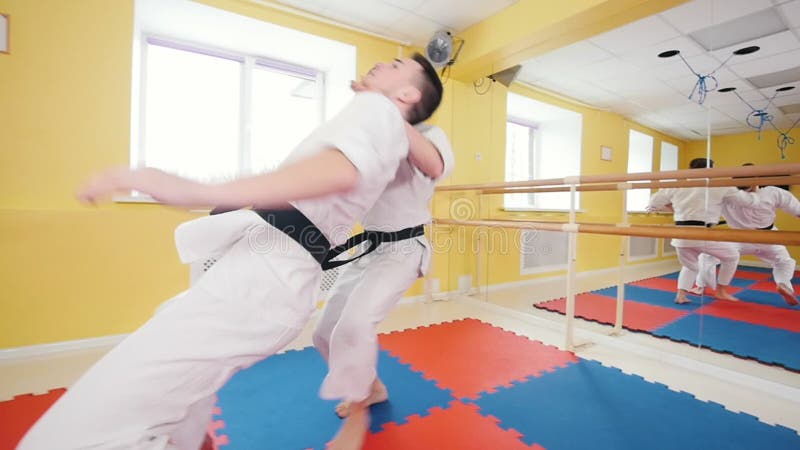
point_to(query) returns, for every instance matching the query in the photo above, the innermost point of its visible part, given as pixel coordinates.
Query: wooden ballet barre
(761, 181)
(663, 231)
(684, 174)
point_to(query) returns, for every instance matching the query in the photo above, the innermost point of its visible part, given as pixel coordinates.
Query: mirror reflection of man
(758, 217)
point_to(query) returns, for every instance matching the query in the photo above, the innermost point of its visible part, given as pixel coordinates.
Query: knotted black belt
(294, 224)
(375, 238)
(693, 223)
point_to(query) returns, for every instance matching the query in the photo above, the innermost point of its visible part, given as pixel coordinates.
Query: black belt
(376, 238)
(693, 223)
(295, 225)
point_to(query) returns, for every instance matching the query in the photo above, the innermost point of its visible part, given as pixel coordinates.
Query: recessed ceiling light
(669, 53)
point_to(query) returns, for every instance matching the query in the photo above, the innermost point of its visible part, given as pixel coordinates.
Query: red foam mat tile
(20, 413)
(469, 356)
(749, 275)
(755, 313)
(458, 427)
(638, 316)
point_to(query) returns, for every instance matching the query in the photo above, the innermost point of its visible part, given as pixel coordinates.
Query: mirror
(706, 79)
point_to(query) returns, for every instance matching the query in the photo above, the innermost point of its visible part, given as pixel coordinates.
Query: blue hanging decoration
(784, 140)
(757, 118)
(706, 83)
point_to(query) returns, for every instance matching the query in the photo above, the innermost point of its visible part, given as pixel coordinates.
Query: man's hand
(100, 187)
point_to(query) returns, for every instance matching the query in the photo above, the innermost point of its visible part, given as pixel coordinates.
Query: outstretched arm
(660, 201)
(325, 173)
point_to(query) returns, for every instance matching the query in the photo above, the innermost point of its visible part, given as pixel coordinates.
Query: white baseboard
(55, 348)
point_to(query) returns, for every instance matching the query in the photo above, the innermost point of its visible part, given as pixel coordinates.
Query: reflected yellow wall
(737, 149)
(479, 125)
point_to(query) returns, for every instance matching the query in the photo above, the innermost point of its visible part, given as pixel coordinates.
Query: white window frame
(249, 64)
(652, 153)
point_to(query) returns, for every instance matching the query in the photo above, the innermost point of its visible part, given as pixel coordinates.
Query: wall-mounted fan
(441, 49)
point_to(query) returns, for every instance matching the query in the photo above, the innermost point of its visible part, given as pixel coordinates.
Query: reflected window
(212, 116)
(640, 159)
(542, 141)
(669, 157)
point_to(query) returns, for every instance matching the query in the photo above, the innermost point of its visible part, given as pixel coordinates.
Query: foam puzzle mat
(468, 385)
(761, 326)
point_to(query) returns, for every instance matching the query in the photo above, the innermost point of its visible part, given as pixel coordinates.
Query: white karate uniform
(368, 288)
(156, 389)
(771, 198)
(704, 205)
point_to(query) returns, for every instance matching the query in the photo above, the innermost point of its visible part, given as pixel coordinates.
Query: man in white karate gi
(701, 207)
(368, 288)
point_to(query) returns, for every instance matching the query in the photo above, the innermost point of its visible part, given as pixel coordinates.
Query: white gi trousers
(689, 251)
(156, 389)
(777, 256)
(362, 296)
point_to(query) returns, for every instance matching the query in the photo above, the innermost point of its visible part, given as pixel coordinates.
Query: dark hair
(701, 163)
(430, 88)
(781, 186)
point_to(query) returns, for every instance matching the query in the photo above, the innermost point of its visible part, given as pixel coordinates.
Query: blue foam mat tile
(274, 403)
(743, 283)
(615, 411)
(655, 297)
(410, 393)
(765, 344)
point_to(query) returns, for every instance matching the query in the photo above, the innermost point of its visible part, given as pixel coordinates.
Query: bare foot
(696, 290)
(353, 430)
(378, 394)
(681, 300)
(725, 296)
(787, 293)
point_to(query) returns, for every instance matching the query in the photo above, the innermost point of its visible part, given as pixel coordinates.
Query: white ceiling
(619, 70)
(412, 21)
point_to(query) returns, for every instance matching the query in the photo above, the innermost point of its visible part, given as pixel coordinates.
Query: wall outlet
(464, 283)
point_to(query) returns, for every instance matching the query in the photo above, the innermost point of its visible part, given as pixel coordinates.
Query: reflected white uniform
(704, 205)
(761, 216)
(156, 389)
(368, 288)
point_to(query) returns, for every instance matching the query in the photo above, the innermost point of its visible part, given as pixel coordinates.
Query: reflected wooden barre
(665, 231)
(761, 181)
(779, 170)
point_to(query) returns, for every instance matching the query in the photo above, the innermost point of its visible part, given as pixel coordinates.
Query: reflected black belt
(767, 228)
(375, 238)
(297, 226)
(693, 223)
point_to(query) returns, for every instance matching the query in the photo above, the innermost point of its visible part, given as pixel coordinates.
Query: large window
(212, 116)
(669, 157)
(217, 95)
(542, 141)
(640, 159)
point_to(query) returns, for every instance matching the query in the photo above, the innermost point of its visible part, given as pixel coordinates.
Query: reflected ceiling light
(706, 83)
(757, 118)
